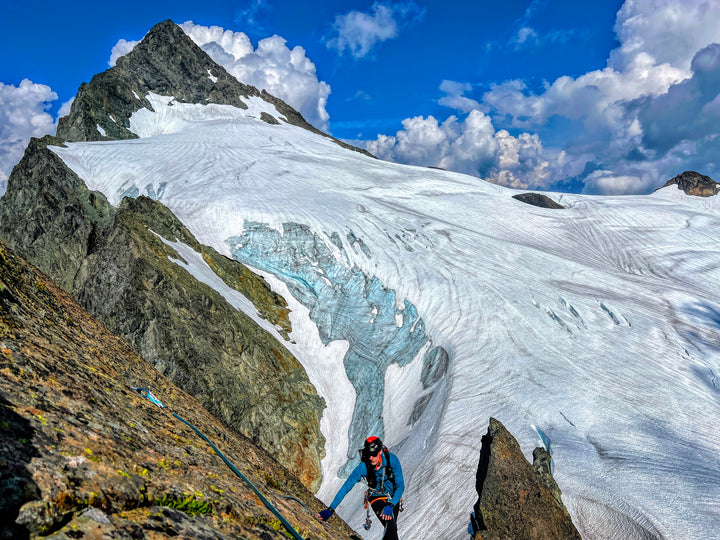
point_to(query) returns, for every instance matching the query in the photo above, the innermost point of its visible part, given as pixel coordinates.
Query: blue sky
(602, 97)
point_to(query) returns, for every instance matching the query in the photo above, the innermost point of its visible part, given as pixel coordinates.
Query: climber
(384, 477)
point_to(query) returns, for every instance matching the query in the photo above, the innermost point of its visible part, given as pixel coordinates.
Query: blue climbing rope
(149, 395)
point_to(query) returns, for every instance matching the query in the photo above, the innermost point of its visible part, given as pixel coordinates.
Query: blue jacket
(395, 491)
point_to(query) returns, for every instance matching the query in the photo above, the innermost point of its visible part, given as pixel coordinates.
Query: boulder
(538, 199)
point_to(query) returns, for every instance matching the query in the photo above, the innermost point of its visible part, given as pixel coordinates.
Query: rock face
(537, 199)
(119, 270)
(517, 500)
(82, 455)
(166, 62)
(49, 215)
(694, 183)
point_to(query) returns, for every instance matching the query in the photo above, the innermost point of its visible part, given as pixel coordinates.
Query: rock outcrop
(82, 455)
(538, 199)
(694, 183)
(517, 500)
(49, 216)
(119, 270)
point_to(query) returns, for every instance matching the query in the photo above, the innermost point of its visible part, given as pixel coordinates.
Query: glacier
(425, 302)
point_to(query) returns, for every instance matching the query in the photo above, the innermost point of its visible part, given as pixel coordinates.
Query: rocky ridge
(114, 263)
(82, 455)
(517, 500)
(694, 183)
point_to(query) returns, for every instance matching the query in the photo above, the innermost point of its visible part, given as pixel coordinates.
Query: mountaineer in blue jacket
(384, 477)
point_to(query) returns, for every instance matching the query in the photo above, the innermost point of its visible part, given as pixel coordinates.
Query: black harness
(372, 480)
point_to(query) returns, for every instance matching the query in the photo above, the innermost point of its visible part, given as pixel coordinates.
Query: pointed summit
(166, 62)
(169, 63)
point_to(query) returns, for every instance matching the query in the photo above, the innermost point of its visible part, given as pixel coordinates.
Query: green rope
(267, 503)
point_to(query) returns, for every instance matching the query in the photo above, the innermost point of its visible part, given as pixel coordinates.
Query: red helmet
(373, 446)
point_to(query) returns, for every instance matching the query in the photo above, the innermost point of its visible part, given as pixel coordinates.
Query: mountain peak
(166, 62)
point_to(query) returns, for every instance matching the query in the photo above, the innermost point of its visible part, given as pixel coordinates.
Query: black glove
(324, 515)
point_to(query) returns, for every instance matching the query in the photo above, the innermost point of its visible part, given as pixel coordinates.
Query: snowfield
(599, 325)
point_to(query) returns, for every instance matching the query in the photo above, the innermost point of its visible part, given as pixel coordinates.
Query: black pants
(391, 524)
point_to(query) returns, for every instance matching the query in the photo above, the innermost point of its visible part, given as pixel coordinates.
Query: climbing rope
(149, 395)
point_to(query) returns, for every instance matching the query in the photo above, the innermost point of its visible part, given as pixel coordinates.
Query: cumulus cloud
(520, 161)
(671, 31)
(23, 114)
(121, 48)
(650, 113)
(605, 182)
(359, 32)
(472, 147)
(689, 111)
(273, 66)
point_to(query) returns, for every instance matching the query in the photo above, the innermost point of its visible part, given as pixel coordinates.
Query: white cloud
(521, 162)
(235, 44)
(689, 111)
(23, 114)
(359, 32)
(594, 95)
(671, 31)
(273, 66)
(611, 183)
(652, 110)
(525, 36)
(471, 147)
(121, 48)
(455, 96)
(65, 108)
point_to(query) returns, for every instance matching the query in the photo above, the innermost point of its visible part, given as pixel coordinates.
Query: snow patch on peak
(170, 116)
(257, 106)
